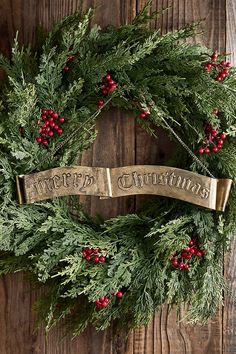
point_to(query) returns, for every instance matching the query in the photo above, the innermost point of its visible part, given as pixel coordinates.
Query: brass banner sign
(122, 181)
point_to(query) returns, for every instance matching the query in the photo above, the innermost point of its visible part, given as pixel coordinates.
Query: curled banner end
(223, 190)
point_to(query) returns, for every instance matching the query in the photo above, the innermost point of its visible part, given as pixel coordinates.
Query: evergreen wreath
(124, 268)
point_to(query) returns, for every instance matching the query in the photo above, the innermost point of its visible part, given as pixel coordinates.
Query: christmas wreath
(124, 268)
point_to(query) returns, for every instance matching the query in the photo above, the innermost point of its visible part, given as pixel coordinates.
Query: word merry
(65, 180)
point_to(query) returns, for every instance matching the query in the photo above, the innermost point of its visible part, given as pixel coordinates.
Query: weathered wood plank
(229, 319)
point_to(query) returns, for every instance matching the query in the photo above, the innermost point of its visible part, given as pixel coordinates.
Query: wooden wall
(124, 144)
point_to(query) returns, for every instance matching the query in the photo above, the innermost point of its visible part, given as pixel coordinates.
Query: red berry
(54, 115)
(207, 150)
(84, 253)
(105, 303)
(186, 266)
(66, 68)
(39, 139)
(102, 259)
(100, 103)
(56, 127)
(219, 146)
(184, 255)
(60, 131)
(222, 136)
(52, 124)
(225, 71)
(218, 78)
(201, 150)
(181, 266)
(189, 256)
(43, 111)
(88, 258)
(45, 142)
(214, 132)
(223, 63)
(50, 112)
(119, 294)
(198, 254)
(50, 133)
(70, 58)
(215, 149)
(191, 243)
(61, 119)
(221, 142)
(192, 251)
(95, 250)
(112, 88)
(104, 92)
(142, 114)
(89, 251)
(102, 299)
(44, 116)
(108, 77)
(208, 66)
(214, 56)
(175, 263)
(222, 74)
(96, 259)
(228, 64)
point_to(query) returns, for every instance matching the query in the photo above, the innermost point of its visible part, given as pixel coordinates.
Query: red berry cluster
(180, 261)
(143, 114)
(69, 59)
(92, 254)
(50, 125)
(104, 301)
(108, 84)
(213, 140)
(221, 69)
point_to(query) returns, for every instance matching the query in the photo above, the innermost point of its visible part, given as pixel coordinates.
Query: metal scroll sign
(122, 181)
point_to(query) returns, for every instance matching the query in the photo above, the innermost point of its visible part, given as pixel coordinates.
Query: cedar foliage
(152, 70)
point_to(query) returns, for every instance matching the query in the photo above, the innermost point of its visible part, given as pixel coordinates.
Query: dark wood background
(119, 142)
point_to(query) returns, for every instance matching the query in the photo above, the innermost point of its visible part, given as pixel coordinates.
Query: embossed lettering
(204, 194)
(77, 177)
(163, 179)
(56, 181)
(196, 188)
(88, 181)
(138, 180)
(123, 182)
(65, 178)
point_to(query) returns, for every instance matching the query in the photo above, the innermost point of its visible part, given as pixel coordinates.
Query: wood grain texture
(120, 142)
(229, 314)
